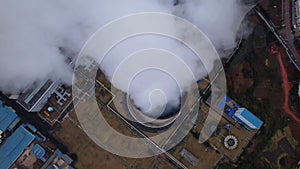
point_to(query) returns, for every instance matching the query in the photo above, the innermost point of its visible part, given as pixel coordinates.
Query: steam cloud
(33, 32)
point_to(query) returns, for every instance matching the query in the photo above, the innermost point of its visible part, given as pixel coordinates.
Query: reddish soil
(286, 85)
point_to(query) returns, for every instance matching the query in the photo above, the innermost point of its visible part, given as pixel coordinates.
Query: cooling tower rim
(150, 122)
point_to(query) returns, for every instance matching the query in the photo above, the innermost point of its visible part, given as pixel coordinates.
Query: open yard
(200, 151)
(89, 155)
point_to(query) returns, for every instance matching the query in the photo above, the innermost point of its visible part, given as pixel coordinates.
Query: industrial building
(62, 95)
(36, 96)
(57, 106)
(247, 119)
(25, 146)
(232, 134)
(188, 156)
(33, 99)
(239, 114)
(15, 146)
(39, 152)
(8, 118)
(58, 160)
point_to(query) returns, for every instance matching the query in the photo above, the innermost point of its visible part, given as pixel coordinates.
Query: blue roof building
(64, 159)
(14, 147)
(247, 119)
(31, 127)
(7, 117)
(231, 112)
(38, 151)
(223, 102)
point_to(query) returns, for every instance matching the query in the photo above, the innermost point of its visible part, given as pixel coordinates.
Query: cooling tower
(126, 107)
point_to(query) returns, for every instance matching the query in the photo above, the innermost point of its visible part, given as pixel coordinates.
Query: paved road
(286, 31)
(285, 36)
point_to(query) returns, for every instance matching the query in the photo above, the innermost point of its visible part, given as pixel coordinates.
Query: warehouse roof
(14, 147)
(249, 120)
(38, 151)
(7, 116)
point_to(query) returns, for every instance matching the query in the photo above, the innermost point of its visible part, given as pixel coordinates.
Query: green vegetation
(239, 53)
(268, 110)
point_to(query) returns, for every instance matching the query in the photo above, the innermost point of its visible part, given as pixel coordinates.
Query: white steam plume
(32, 31)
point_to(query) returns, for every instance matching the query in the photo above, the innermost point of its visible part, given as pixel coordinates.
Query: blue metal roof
(252, 118)
(231, 113)
(7, 116)
(13, 124)
(247, 119)
(223, 102)
(58, 153)
(38, 151)
(14, 147)
(228, 108)
(31, 127)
